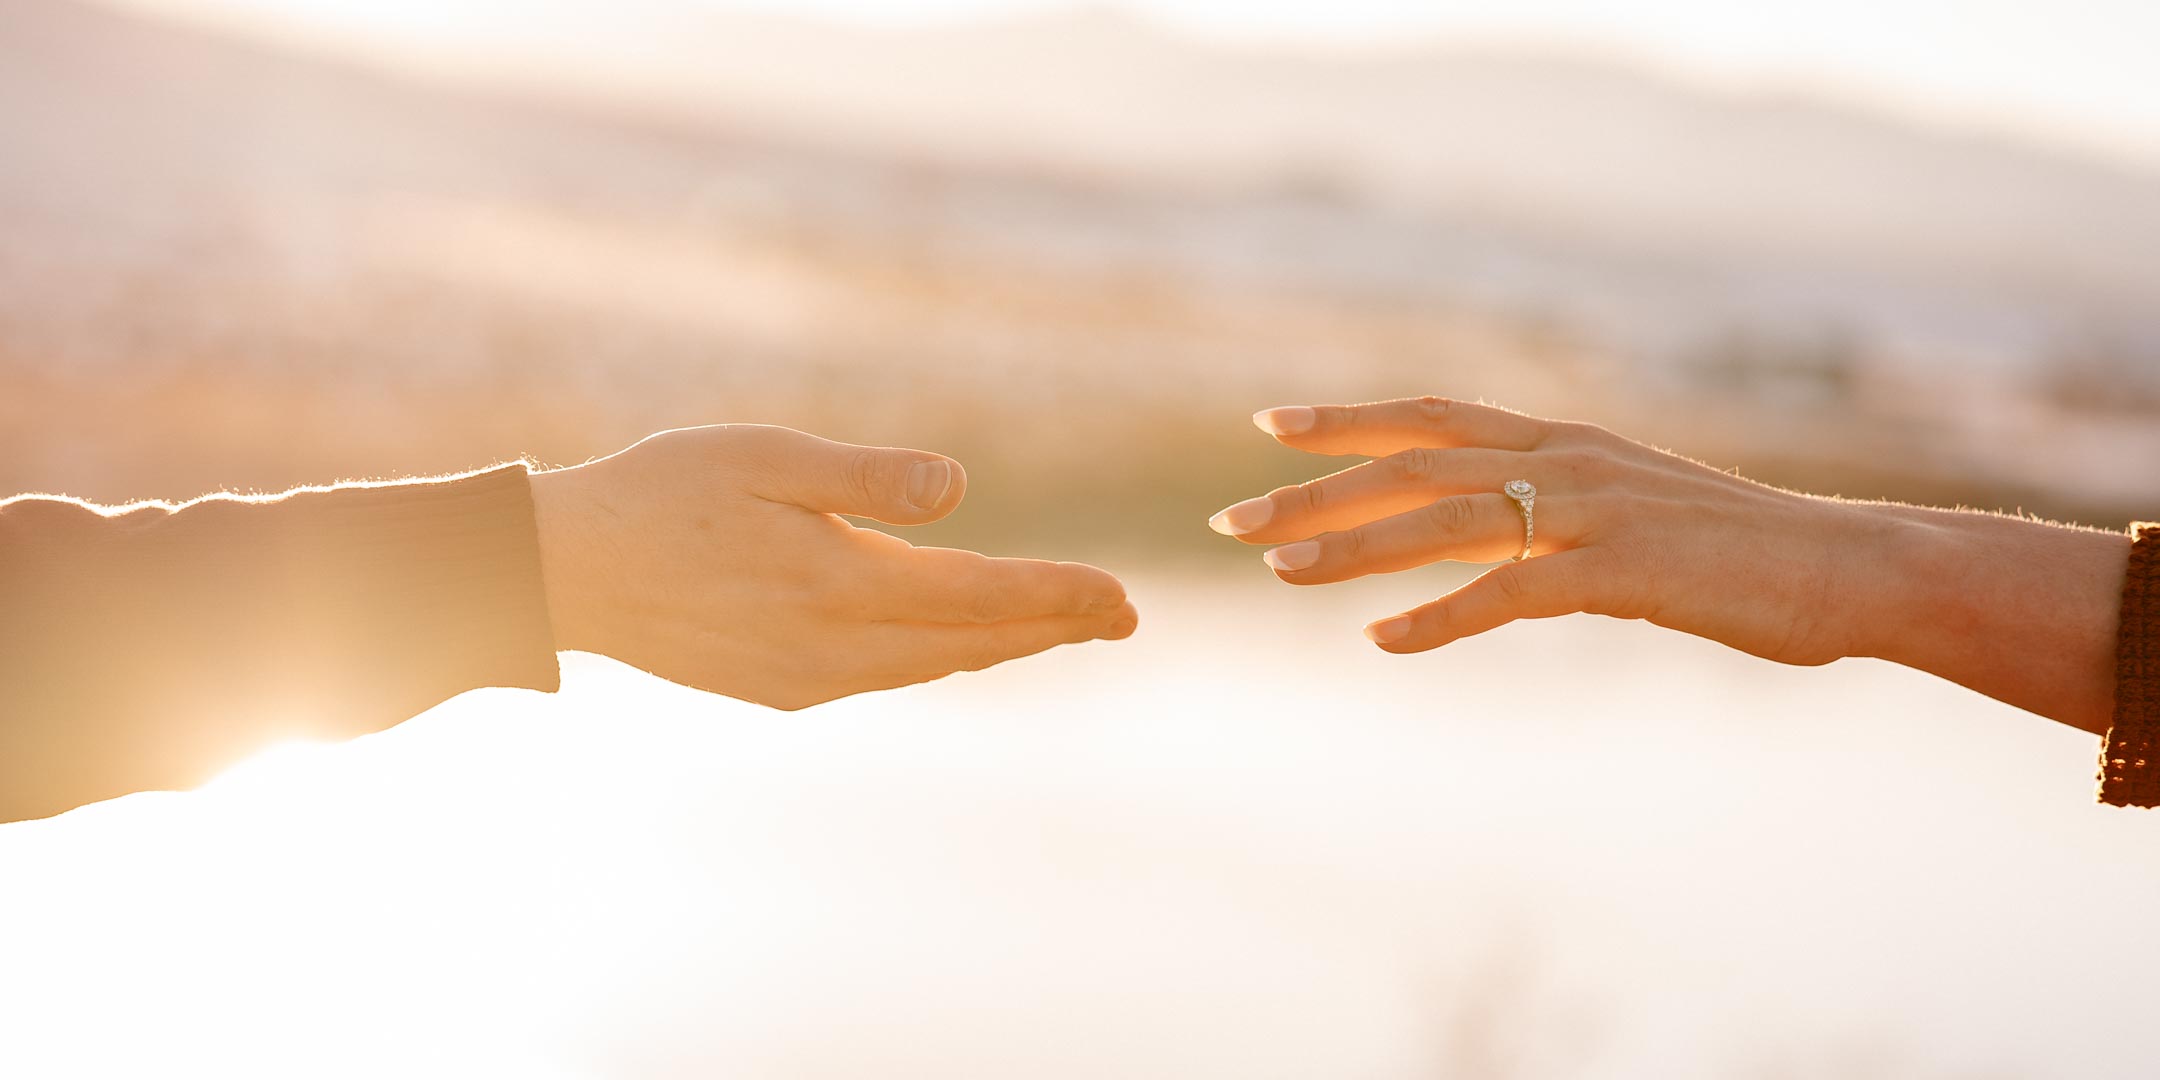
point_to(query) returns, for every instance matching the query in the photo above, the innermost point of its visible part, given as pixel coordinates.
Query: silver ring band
(1525, 496)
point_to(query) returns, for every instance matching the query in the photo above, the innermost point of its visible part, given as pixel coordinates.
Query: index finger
(953, 586)
(1380, 428)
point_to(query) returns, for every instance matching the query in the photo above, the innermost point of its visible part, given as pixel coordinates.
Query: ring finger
(1461, 528)
(1395, 484)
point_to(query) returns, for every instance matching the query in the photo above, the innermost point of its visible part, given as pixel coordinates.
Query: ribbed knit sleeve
(2130, 759)
(149, 649)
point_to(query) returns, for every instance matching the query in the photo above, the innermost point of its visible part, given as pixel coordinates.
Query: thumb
(900, 487)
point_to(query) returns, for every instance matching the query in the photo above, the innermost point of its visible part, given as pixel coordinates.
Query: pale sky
(2070, 71)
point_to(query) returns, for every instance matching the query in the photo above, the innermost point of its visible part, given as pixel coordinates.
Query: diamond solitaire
(1525, 496)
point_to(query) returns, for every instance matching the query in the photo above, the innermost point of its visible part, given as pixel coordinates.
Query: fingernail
(1123, 627)
(926, 484)
(1296, 556)
(1388, 631)
(1286, 420)
(1244, 517)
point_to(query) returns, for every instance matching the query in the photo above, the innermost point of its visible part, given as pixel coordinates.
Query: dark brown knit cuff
(2130, 760)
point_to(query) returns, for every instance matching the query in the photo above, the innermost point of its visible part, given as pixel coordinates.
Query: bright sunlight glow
(2076, 72)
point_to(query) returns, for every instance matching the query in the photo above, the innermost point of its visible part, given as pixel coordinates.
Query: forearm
(152, 647)
(2021, 611)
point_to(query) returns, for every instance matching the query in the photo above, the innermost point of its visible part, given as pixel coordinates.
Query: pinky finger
(1539, 588)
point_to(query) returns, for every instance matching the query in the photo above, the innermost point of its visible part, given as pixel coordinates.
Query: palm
(715, 557)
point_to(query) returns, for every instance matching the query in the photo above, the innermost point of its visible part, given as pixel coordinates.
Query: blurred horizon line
(558, 51)
(305, 266)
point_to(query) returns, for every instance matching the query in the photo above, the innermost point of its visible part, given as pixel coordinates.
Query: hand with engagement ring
(1583, 520)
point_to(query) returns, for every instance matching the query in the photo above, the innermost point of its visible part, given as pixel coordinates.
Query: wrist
(2020, 610)
(1864, 604)
(1909, 600)
(563, 519)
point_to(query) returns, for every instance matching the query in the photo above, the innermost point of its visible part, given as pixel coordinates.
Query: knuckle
(724, 438)
(1545, 432)
(1584, 464)
(1400, 467)
(1413, 466)
(1575, 432)
(1308, 497)
(1348, 546)
(1511, 584)
(767, 448)
(1435, 621)
(866, 474)
(1447, 517)
(1432, 409)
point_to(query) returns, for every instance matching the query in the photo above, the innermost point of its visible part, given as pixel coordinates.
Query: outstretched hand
(1621, 529)
(715, 557)
(2021, 610)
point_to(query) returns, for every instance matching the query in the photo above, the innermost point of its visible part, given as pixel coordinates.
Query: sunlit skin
(715, 557)
(2020, 610)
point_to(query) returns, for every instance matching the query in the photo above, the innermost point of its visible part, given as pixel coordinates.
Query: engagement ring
(1525, 496)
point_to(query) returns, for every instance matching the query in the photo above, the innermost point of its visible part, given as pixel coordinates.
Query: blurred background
(1896, 249)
